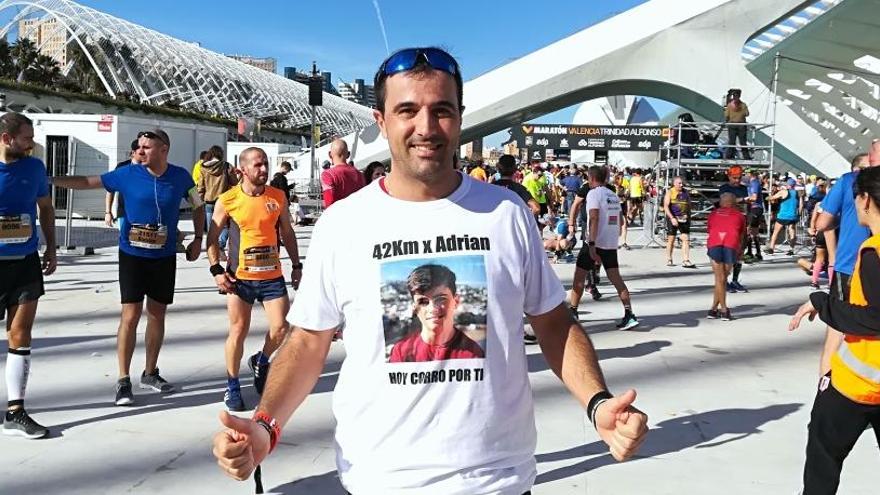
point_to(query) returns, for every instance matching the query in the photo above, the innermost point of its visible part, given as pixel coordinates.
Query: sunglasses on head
(152, 135)
(408, 58)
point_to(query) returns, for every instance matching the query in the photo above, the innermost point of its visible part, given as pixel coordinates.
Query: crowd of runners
(511, 222)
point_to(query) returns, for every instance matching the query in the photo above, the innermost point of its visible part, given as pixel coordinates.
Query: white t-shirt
(424, 418)
(608, 204)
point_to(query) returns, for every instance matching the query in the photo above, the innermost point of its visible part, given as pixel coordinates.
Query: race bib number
(148, 236)
(261, 259)
(15, 229)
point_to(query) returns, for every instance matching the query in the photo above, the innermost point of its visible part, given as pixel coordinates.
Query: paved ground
(728, 401)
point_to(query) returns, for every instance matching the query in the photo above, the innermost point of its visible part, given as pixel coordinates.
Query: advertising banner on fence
(590, 137)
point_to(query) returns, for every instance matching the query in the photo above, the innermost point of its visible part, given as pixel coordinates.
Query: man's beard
(15, 154)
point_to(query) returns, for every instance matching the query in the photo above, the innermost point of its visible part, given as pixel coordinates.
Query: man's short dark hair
(420, 67)
(857, 159)
(506, 165)
(599, 174)
(427, 277)
(216, 152)
(134, 145)
(204, 155)
(12, 122)
(287, 165)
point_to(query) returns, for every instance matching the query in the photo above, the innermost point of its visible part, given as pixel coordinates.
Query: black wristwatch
(297, 266)
(591, 243)
(217, 269)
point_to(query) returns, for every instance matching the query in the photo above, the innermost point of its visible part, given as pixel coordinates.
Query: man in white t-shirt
(457, 423)
(604, 212)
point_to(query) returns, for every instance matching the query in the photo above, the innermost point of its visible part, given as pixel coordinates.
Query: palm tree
(46, 71)
(81, 74)
(7, 65)
(24, 54)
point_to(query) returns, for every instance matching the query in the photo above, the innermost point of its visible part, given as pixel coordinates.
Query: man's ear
(380, 121)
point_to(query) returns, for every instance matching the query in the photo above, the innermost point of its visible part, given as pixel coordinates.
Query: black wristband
(297, 266)
(217, 269)
(597, 399)
(591, 243)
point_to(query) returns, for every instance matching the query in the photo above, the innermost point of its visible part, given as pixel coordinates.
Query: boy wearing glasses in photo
(152, 190)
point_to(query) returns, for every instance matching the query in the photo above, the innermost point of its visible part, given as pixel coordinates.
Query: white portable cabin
(91, 144)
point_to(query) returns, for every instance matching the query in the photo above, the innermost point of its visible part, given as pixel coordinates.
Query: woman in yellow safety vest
(842, 411)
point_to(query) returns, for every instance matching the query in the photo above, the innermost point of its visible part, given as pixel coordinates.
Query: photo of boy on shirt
(440, 327)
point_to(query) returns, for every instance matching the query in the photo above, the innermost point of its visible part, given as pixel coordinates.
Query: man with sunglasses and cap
(448, 425)
(152, 190)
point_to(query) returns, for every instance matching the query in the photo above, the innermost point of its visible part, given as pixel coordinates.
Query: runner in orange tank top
(256, 214)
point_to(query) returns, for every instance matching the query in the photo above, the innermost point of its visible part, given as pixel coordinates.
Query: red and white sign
(105, 126)
(106, 118)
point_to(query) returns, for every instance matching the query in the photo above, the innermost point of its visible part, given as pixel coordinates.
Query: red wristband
(271, 426)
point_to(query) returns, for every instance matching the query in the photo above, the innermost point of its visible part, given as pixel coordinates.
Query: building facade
(268, 64)
(49, 36)
(358, 92)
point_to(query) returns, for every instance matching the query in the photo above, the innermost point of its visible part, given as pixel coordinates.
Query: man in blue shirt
(755, 218)
(23, 190)
(839, 207)
(152, 190)
(571, 183)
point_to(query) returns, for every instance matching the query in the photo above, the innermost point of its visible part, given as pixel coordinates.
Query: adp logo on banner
(590, 137)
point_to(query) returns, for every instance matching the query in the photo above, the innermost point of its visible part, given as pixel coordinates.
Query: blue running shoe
(232, 399)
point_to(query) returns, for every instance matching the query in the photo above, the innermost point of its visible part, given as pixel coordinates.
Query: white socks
(18, 367)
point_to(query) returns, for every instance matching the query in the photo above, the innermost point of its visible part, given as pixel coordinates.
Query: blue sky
(468, 269)
(344, 36)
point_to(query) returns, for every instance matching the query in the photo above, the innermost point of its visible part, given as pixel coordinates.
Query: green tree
(24, 56)
(7, 64)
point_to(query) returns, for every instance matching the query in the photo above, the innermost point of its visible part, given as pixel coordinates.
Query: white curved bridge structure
(688, 53)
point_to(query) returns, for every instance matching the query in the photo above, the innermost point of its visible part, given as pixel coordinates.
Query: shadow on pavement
(324, 484)
(701, 431)
(537, 363)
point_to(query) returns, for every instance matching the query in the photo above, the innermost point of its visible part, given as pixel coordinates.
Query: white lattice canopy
(133, 60)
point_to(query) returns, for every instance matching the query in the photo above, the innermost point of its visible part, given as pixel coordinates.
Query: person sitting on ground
(562, 241)
(727, 230)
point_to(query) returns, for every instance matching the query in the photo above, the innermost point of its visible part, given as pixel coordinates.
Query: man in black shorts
(677, 208)
(23, 191)
(152, 189)
(578, 209)
(604, 213)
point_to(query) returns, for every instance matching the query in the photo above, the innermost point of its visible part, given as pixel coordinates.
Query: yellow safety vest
(855, 368)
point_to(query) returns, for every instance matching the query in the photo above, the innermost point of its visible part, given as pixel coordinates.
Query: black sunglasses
(408, 58)
(153, 135)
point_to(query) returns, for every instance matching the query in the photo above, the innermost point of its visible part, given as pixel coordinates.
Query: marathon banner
(561, 137)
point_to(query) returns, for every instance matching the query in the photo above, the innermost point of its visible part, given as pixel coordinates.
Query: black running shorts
(608, 257)
(151, 277)
(681, 228)
(21, 280)
(755, 217)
